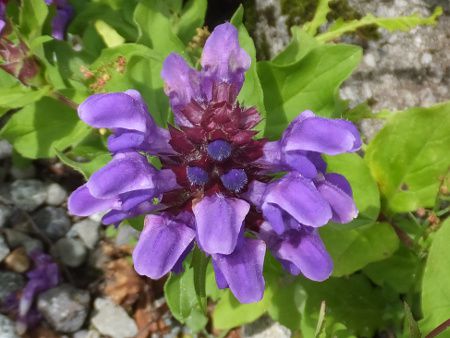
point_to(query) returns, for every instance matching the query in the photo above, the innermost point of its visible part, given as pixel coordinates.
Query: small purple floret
(219, 150)
(234, 180)
(197, 175)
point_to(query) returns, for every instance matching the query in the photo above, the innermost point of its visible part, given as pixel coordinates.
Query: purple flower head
(44, 275)
(216, 187)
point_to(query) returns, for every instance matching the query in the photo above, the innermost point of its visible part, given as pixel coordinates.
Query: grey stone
(56, 194)
(65, 308)
(112, 320)
(10, 282)
(5, 212)
(86, 334)
(17, 238)
(411, 66)
(28, 194)
(23, 173)
(7, 328)
(87, 230)
(271, 31)
(70, 251)
(265, 327)
(5, 149)
(52, 221)
(4, 249)
(126, 234)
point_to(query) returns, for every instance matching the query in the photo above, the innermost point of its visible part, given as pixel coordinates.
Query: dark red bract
(221, 118)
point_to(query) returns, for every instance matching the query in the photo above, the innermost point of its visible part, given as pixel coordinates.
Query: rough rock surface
(7, 328)
(112, 320)
(65, 308)
(28, 194)
(10, 282)
(265, 327)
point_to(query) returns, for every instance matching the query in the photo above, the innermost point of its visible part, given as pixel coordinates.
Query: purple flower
(63, 16)
(216, 187)
(45, 275)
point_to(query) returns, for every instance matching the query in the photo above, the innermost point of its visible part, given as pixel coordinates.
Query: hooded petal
(126, 172)
(182, 84)
(255, 193)
(243, 270)
(82, 203)
(299, 198)
(219, 220)
(61, 20)
(306, 251)
(329, 136)
(162, 242)
(114, 110)
(336, 190)
(223, 60)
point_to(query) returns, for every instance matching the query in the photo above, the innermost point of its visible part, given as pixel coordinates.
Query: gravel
(112, 320)
(52, 221)
(5, 212)
(28, 194)
(70, 252)
(265, 327)
(87, 230)
(65, 308)
(10, 282)
(7, 328)
(4, 249)
(56, 194)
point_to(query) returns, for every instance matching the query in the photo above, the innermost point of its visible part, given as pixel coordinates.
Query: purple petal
(300, 162)
(306, 251)
(340, 182)
(219, 220)
(126, 172)
(255, 193)
(342, 204)
(299, 198)
(116, 216)
(243, 270)
(322, 135)
(61, 20)
(220, 278)
(113, 110)
(162, 242)
(82, 203)
(223, 60)
(182, 84)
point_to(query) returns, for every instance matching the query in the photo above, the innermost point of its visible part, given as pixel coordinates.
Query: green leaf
(311, 83)
(196, 320)
(192, 16)
(411, 326)
(400, 271)
(41, 128)
(283, 307)
(251, 93)
(86, 168)
(320, 17)
(153, 18)
(364, 187)
(230, 313)
(180, 294)
(20, 96)
(32, 16)
(351, 301)
(200, 263)
(409, 155)
(109, 34)
(300, 45)
(436, 281)
(353, 249)
(402, 23)
(143, 73)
